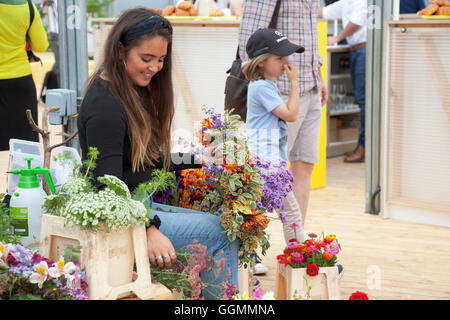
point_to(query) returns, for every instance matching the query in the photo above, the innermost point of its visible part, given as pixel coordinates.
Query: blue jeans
(358, 73)
(185, 226)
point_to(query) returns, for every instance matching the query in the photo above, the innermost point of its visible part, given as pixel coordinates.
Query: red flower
(312, 270)
(282, 259)
(358, 295)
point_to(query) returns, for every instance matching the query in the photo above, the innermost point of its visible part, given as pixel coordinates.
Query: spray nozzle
(28, 177)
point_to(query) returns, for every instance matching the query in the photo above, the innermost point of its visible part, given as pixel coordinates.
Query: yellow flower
(254, 245)
(40, 270)
(239, 207)
(2, 248)
(330, 237)
(288, 165)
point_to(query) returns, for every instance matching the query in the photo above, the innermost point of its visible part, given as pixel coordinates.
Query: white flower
(41, 273)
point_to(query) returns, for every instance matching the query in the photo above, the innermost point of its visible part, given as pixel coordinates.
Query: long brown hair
(149, 109)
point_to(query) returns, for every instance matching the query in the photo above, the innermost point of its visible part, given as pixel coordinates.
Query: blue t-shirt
(266, 133)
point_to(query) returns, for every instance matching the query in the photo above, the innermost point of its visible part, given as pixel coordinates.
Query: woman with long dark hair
(127, 113)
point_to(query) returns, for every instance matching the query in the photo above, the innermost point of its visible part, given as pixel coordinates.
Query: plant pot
(107, 256)
(324, 286)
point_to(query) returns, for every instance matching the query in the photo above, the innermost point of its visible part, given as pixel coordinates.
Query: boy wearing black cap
(267, 113)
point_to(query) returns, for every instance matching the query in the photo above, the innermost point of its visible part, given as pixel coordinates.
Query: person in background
(411, 6)
(127, 114)
(354, 19)
(298, 21)
(17, 88)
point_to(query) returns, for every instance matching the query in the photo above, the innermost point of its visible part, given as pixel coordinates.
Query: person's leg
(183, 228)
(358, 74)
(303, 146)
(302, 172)
(292, 214)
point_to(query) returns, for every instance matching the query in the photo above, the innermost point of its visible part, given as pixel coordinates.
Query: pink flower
(292, 245)
(220, 267)
(332, 248)
(297, 257)
(293, 225)
(257, 293)
(41, 274)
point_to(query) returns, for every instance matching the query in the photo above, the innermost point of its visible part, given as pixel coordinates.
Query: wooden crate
(108, 258)
(324, 286)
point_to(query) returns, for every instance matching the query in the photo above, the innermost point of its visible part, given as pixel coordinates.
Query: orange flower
(207, 123)
(327, 255)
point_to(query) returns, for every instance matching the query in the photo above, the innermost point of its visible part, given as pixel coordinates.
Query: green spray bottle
(26, 204)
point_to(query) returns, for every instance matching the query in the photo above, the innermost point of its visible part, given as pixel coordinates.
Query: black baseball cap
(268, 40)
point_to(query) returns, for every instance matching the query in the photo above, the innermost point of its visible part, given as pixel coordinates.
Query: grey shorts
(304, 133)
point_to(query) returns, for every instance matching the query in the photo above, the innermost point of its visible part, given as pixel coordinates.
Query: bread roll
(168, 11)
(443, 11)
(439, 2)
(193, 11)
(180, 12)
(216, 13)
(185, 5)
(429, 10)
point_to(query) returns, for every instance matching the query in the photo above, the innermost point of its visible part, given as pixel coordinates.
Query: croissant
(185, 5)
(443, 11)
(429, 10)
(168, 11)
(439, 2)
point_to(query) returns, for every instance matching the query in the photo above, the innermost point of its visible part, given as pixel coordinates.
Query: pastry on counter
(440, 2)
(193, 11)
(168, 11)
(216, 13)
(181, 12)
(185, 5)
(429, 10)
(443, 11)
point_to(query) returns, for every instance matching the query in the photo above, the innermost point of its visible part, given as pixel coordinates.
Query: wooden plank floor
(388, 259)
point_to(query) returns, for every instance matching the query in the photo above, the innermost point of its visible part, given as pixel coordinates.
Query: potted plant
(110, 227)
(312, 263)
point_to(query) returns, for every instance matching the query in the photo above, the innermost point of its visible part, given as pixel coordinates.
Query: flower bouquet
(25, 275)
(236, 185)
(312, 261)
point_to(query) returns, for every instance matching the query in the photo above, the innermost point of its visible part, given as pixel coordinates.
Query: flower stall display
(312, 261)
(109, 224)
(26, 275)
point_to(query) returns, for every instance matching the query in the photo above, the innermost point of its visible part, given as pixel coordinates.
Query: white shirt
(354, 11)
(53, 17)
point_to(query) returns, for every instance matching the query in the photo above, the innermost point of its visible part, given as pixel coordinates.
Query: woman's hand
(291, 72)
(160, 249)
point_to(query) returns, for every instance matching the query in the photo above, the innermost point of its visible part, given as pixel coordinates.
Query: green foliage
(160, 181)
(6, 235)
(72, 254)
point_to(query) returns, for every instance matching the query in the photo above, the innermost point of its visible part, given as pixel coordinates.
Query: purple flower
(161, 196)
(293, 225)
(292, 245)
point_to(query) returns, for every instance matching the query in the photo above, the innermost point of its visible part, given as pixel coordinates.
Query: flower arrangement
(311, 254)
(358, 295)
(25, 275)
(235, 184)
(184, 275)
